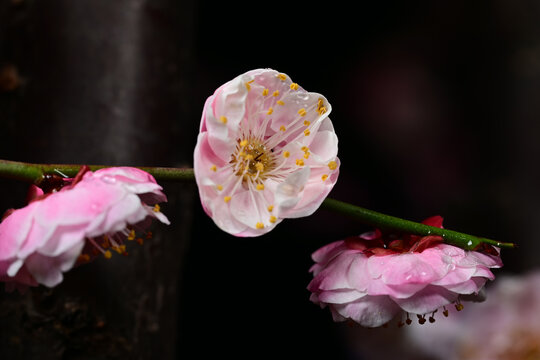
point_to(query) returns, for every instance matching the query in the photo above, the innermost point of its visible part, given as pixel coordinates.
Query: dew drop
(109, 179)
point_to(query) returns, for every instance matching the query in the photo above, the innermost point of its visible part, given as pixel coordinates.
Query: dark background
(435, 105)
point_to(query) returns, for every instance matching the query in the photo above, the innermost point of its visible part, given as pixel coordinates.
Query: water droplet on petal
(109, 179)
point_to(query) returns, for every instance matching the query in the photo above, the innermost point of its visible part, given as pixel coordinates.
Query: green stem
(34, 173)
(387, 222)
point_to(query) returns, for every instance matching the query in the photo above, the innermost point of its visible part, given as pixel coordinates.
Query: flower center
(252, 159)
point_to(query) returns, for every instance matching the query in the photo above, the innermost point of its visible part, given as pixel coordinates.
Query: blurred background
(436, 106)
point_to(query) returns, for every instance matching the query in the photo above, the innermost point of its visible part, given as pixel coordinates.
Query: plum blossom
(92, 214)
(266, 151)
(371, 278)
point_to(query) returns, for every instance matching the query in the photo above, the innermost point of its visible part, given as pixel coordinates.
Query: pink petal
(369, 311)
(13, 231)
(427, 300)
(48, 270)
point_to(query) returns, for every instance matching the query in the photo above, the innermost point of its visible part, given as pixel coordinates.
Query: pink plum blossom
(371, 278)
(98, 210)
(266, 151)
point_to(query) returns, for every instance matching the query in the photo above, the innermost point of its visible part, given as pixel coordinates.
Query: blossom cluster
(266, 151)
(371, 278)
(91, 214)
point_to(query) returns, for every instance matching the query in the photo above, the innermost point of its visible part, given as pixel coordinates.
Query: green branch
(34, 173)
(387, 222)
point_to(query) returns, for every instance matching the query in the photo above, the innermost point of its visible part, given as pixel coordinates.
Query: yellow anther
(156, 208)
(248, 157)
(272, 219)
(260, 186)
(270, 111)
(324, 177)
(248, 85)
(307, 132)
(332, 165)
(265, 92)
(140, 241)
(259, 166)
(259, 225)
(306, 154)
(223, 119)
(275, 93)
(219, 187)
(131, 235)
(227, 199)
(286, 154)
(302, 112)
(459, 307)
(294, 86)
(321, 109)
(306, 123)
(282, 77)
(282, 128)
(304, 148)
(279, 102)
(243, 143)
(241, 154)
(300, 162)
(213, 168)
(107, 254)
(270, 208)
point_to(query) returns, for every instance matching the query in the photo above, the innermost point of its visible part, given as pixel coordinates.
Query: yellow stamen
(306, 123)
(304, 148)
(213, 168)
(273, 219)
(259, 225)
(299, 162)
(270, 111)
(302, 112)
(270, 208)
(259, 166)
(306, 154)
(140, 241)
(248, 157)
(294, 86)
(227, 199)
(275, 93)
(131, 235)
(248, 85)
(223, 119)
(243, 143)
(265, 92)
(332, 165)
(307, 132)
(156, 208)
(107, 254)
(321, 109)
(260, 186)
(324, 177)
(282, 77)
(279, 102)
(282, 128)
(84, 257)
(219, 187)
(286, 154)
